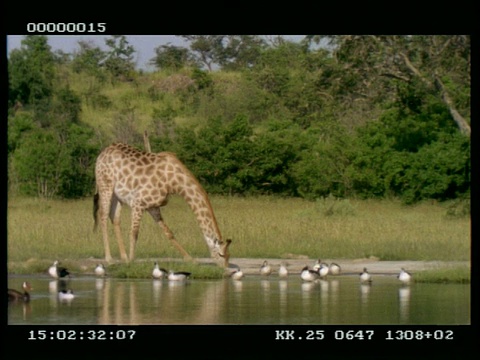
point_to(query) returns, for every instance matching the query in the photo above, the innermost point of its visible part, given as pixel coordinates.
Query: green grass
(452, 274)
(40, 231)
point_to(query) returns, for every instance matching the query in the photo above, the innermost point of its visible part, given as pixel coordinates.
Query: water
(253, 300)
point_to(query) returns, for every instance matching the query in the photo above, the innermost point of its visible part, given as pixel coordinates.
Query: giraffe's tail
(95, 209)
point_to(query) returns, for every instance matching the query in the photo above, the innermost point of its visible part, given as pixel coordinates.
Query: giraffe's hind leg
(115, 211)
(104, 198)
(157, 216)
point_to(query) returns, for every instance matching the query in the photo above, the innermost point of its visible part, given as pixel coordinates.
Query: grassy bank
(40, 231)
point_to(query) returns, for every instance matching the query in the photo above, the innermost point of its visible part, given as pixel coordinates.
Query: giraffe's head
(220, 251)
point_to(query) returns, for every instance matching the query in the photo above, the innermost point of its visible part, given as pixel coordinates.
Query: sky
(144, 44)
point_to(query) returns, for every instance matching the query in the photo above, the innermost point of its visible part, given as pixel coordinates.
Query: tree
(171, 57)
(207, 49)
(119, 58)
(31, 71)
(40, 175)
(227, 51)
(373, 66)
(89, 59)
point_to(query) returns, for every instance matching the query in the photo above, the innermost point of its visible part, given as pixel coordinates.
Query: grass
(452, 274)
(40, 231)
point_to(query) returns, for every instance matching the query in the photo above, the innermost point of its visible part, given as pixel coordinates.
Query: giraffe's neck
(193, 193)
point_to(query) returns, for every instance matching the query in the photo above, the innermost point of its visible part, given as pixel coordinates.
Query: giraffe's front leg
(157, 216)
(136, 217)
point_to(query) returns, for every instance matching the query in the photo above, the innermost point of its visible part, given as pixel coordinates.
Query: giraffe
(144, 181)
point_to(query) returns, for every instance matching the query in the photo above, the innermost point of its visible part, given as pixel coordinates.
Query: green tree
(371, 67)
(31, 71)
(119, 58)
(40, 175)
(171, 57)
(89, 59)
(227, 51)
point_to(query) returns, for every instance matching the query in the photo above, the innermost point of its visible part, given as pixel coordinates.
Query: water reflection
(252, 300)
(404, 303)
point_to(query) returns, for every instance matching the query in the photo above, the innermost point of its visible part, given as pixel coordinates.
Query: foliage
(171, 57)
(231, 52)
(366, 116)
(416, 156)
(31, 71)
(119, 59)
(89, 59)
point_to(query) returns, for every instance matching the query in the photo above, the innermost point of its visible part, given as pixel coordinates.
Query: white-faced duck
(15, 295)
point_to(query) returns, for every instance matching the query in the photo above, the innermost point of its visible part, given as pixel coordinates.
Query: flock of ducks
(319, 271)
(57, 272)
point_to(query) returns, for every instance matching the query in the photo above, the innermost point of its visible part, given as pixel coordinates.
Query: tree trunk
(461, 122)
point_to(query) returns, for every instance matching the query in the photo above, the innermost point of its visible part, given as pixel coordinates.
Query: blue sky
(144, 44)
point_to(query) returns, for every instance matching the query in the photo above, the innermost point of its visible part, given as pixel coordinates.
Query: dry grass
(260, 228)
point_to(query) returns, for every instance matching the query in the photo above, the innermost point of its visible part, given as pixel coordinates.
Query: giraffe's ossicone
(144, 181)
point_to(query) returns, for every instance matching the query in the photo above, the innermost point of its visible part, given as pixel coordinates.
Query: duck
(404, 276)
(66, 294)
(57, 272)
(15, 295)
(178, 275)
(158, 272)
(100, 270)
(265, 269)
(334, 269)
(323, 270)
(309, 275)
(319, 264)
(365, 277)
(237, 274)
(283, 271)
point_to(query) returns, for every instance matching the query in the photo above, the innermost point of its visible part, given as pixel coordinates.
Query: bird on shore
(236, 274)
(265, 269)
(334, 269)
(178, 275)
(100, 270)
(404, 276)
(283, 271)
(318, 264)
(309, 275)
(57, 272)
(15, 295)
(365, 277)
(323, 270)
(66, 294)
(158, 272)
